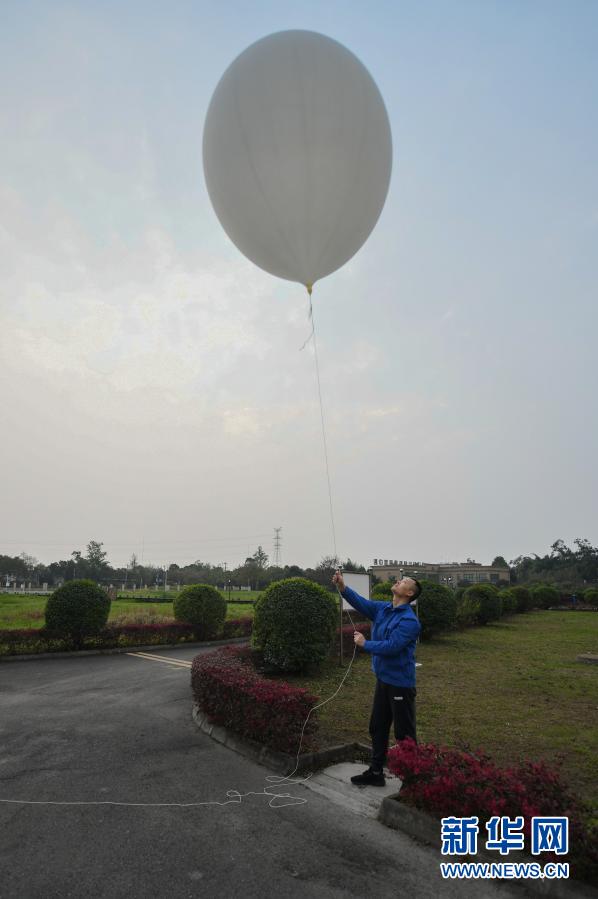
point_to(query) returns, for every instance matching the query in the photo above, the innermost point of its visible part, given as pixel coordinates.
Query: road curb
(271, 758)
(412, 822)
(79, 653)
(400, 816)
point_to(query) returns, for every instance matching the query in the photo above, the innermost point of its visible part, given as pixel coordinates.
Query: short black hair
(418, 588)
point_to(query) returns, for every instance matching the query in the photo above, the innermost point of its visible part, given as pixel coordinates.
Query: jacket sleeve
(406, 632)
(367, 607)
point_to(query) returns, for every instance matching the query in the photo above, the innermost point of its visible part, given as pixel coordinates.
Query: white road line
(170, 659)
(177, 663)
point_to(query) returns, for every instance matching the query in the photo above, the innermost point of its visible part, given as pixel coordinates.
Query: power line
(191, 542)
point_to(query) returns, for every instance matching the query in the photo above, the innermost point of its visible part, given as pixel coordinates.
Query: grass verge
(18, 611)
(513, 688)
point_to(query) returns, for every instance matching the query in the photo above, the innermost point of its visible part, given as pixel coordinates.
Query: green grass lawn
(513, 688)
(18, 611)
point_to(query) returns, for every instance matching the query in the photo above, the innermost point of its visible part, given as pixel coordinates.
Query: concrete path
(335, 783)
(99, 757)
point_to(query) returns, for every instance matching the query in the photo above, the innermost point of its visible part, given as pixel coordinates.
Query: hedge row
(441, 609)
(229, 690)
(35, 640)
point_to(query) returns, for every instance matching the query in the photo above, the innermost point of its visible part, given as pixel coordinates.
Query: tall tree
(350, 565)
(29, 562)
(96, 559)
(560, 548)
(259, 558)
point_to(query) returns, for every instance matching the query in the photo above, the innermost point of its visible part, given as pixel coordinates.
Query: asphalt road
(118, 728)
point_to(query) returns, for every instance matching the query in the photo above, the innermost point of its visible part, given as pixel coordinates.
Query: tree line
(563, 566)
(93, 564)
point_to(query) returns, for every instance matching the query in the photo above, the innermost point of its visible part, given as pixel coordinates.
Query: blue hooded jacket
(395, 630)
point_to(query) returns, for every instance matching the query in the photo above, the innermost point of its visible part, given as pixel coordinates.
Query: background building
(452, 574)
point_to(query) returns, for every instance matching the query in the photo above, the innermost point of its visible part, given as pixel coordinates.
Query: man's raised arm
(365, 606)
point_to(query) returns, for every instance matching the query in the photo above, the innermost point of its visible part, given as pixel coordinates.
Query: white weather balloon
(297, 154)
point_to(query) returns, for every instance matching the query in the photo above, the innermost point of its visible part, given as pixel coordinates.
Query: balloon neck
(309, 288)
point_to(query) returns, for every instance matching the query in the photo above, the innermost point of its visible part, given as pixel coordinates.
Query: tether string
(313, 334)
(337, 560)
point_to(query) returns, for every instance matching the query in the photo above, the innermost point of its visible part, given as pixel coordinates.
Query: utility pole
(277, 544)
(227, 581)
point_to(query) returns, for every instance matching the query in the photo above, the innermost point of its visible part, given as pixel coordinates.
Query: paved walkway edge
(278, 761)
(78, 653)
(397, 815)
(426, 829)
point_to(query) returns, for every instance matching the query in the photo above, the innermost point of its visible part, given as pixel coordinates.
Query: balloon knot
(309, 288)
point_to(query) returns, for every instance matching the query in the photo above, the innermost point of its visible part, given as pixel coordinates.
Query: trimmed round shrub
(468, 610)
(509, 602)
(203, 607)
(544, 596)
(78, 609)
(436, 609)
(523, 598)
(590, 596)
(489, 600)
(294, 624)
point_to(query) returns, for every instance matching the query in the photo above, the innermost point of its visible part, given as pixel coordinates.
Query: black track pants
(392, 705)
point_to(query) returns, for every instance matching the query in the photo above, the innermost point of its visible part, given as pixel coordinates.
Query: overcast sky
(153, 394)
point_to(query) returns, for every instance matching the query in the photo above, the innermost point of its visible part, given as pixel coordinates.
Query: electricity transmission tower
(277, 545)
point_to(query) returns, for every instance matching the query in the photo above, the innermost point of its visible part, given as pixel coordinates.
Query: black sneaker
(369, 778)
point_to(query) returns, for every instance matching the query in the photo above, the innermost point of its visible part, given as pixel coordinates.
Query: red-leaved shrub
(22, 641)
(364, 627)
(229, 690)
(448, 782)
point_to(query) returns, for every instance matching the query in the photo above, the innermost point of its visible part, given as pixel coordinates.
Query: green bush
(383, 591)
(590, 596)
(294, 624)
(509, 602)
(489, 600)
(436, 609)
(203, 607)
(523, 598)
(544, 596)
(468, 610)
(77, 609)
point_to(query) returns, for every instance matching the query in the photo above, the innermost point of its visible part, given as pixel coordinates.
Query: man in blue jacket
(395, 629)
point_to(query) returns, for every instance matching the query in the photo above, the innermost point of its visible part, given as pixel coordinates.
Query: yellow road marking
(178, 663)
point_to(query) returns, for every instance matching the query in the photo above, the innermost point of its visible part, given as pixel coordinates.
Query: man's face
(403, 588)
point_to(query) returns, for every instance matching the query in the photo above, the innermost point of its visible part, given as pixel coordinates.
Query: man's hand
(358, 639)
(338, 580)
